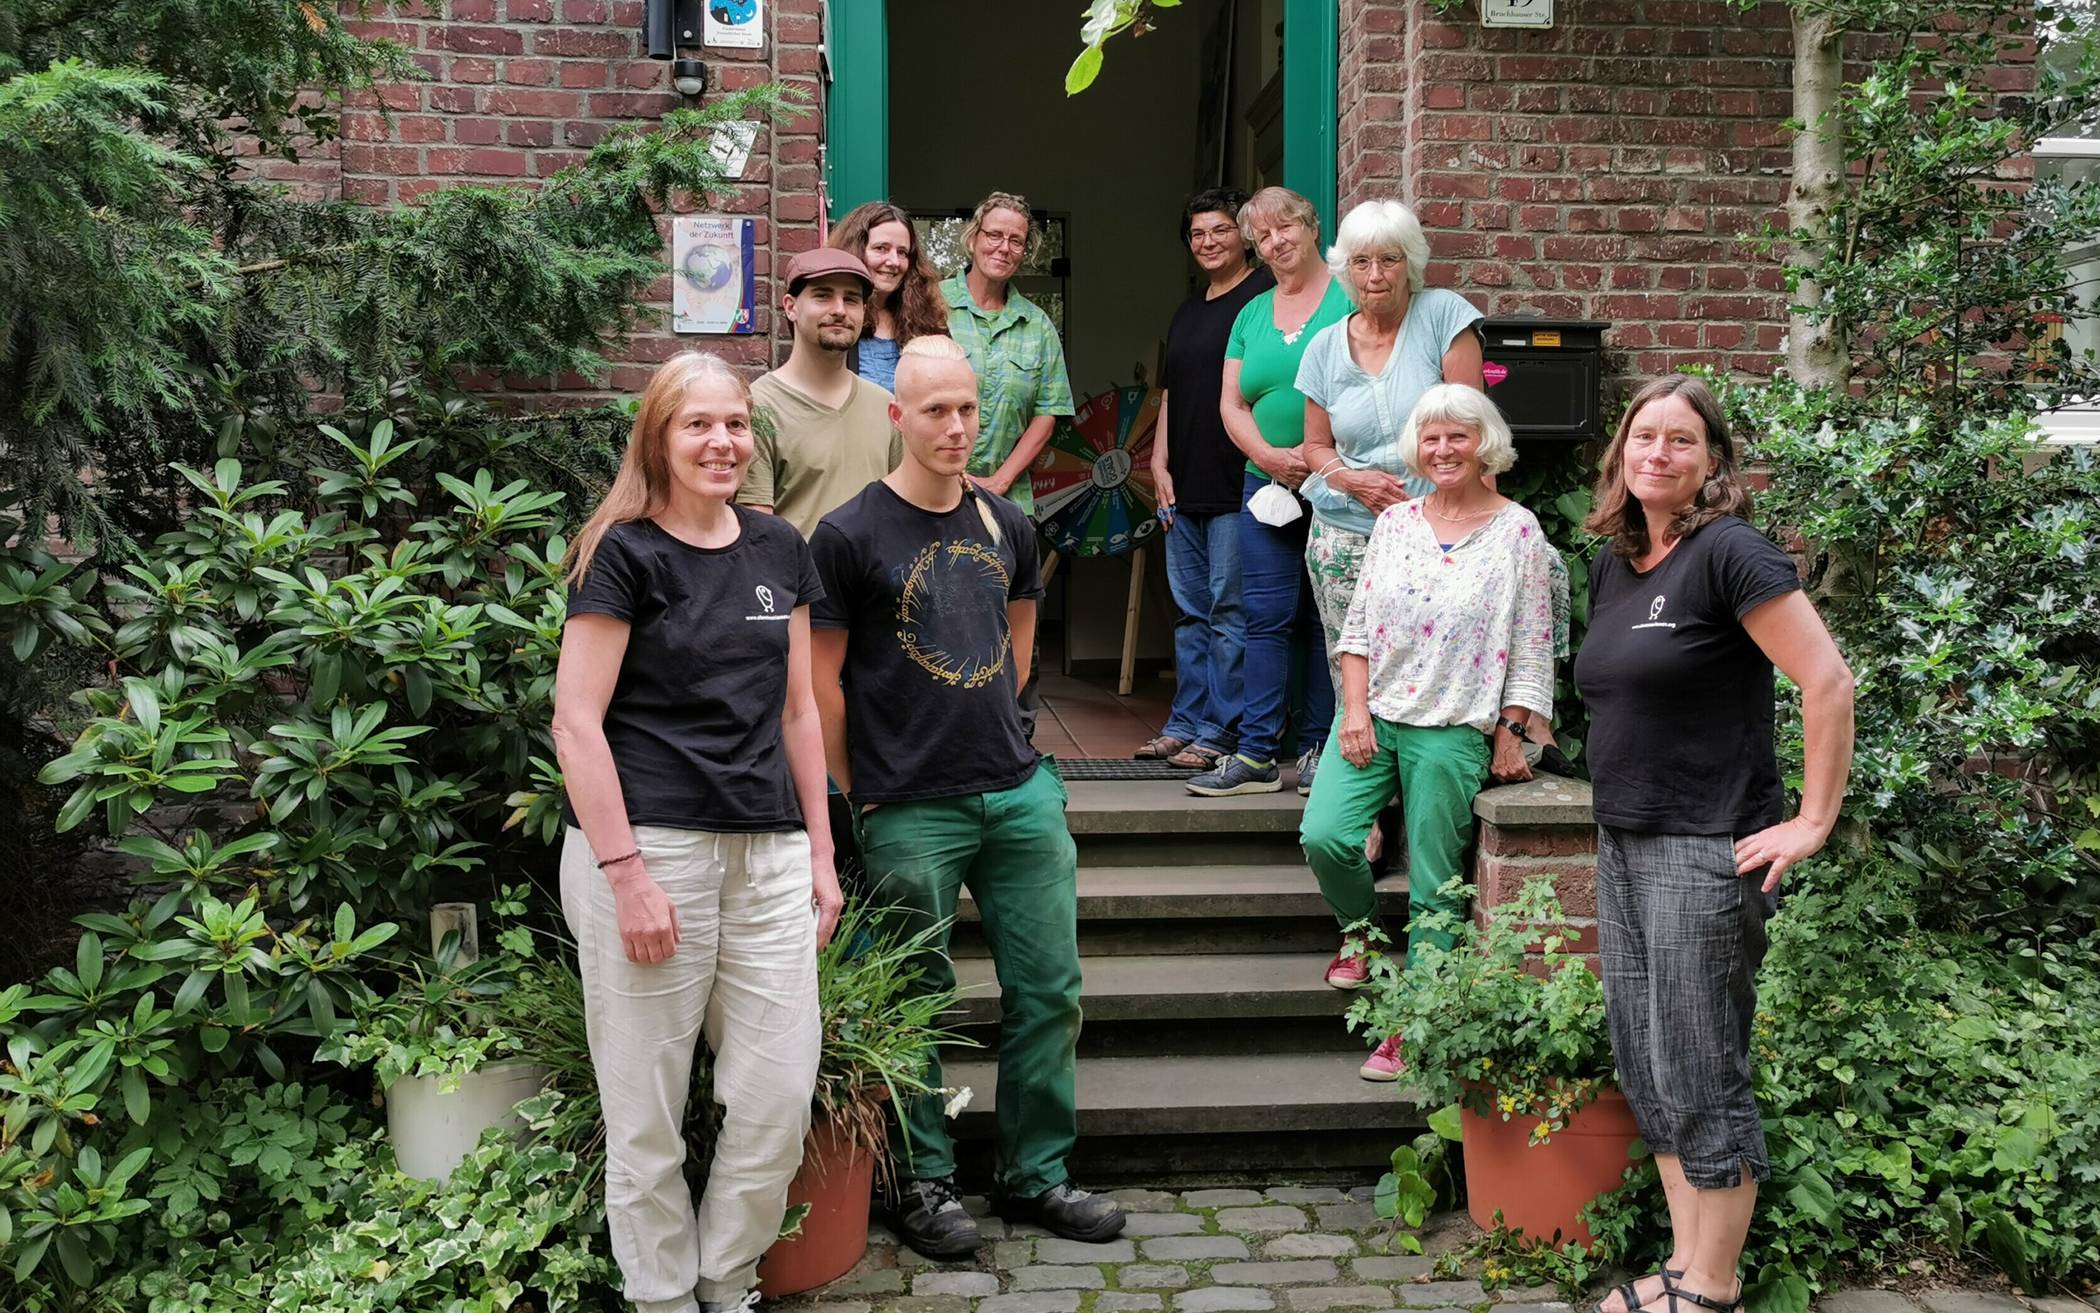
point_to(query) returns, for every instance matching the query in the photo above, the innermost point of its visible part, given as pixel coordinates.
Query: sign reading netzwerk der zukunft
(1516, 13)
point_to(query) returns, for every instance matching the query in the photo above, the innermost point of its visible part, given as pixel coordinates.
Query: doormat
(1120, 768)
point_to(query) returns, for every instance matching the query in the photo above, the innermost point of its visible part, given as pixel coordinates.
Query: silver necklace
(1457, 519)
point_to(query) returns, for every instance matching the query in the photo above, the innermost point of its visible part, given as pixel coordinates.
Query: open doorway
(977, 104)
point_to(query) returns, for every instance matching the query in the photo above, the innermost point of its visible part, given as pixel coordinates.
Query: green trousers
(1436, 772)
(1015, 854)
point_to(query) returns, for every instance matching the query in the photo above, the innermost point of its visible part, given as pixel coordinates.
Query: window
(2076, 160)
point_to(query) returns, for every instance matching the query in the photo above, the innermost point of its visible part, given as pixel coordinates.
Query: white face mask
(1274, 506)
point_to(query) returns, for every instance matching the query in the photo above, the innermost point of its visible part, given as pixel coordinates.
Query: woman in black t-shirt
(1690, 608)
(698, 836)
(1197, 474)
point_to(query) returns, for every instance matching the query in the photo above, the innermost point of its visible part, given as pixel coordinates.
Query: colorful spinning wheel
(1093, 482)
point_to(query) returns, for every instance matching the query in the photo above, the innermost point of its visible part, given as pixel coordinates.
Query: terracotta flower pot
(1539, 1189)
(837, 1180)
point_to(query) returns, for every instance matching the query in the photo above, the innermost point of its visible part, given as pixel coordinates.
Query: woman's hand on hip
(1778, 848)
(648, 921)
(1359, 739)
(824, 888)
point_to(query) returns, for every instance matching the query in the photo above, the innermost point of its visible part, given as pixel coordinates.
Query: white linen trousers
(745, 975)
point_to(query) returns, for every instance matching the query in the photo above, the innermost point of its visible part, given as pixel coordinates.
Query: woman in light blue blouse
(1361, 378)
(907, 299)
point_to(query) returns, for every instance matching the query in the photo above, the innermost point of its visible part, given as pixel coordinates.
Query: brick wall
(519, 89)
(1541, 829)
(1605, 168)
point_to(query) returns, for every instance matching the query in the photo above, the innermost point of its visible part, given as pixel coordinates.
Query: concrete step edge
(1209, 1095)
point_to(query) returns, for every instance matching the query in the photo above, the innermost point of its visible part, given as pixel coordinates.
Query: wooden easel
(1126, 676)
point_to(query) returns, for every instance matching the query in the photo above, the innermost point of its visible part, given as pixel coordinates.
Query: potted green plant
(877, 1040)
(1517, 1040)
(448, 1066)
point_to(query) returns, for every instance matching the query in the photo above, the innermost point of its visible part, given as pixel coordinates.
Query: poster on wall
(734, 24)
(713, 289)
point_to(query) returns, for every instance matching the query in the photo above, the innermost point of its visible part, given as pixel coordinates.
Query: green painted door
(857, 124)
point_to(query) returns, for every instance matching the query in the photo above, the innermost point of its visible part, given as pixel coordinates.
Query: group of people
(808, 604)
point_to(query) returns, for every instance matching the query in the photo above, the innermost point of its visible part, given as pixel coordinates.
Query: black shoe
(1065, 1211)
(928, 1215)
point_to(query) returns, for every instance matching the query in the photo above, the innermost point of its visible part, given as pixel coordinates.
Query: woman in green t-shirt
(1264, 415)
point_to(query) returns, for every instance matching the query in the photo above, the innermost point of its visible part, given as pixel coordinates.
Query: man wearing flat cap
(824, 432)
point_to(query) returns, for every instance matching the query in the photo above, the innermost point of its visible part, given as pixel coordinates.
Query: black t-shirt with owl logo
(694, 722)
(932, 710)
(1679, 694)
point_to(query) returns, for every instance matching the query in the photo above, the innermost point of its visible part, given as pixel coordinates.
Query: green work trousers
(1436, 771)
(1017, 858)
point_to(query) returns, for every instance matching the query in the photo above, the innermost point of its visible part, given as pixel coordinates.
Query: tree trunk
(1817, 354)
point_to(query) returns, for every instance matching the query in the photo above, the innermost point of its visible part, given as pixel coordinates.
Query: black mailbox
(1546, 375)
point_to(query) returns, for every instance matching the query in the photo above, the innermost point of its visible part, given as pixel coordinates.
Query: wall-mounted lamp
(669, 24)
(688, 75)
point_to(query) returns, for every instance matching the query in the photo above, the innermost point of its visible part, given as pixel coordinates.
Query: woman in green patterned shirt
(1022, 386)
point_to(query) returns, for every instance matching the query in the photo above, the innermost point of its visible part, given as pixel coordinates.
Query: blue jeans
(1276, 599)
(1203, 570)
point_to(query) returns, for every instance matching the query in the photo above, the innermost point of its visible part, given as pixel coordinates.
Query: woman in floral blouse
(1448, 644)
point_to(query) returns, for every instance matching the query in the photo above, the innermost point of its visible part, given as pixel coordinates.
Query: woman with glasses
(1021, 382)
(1022, 386)
(1361, 379)
(1264, 416)
(1197, 477)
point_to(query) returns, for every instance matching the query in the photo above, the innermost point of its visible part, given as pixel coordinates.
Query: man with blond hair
(921, 646)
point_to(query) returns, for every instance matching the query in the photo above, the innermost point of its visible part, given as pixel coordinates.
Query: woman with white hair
(1361, 378)
(1446, 644)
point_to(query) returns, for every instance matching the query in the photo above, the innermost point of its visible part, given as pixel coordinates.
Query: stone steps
(1212, 1045)
(1178, 987)
(1194, 1095)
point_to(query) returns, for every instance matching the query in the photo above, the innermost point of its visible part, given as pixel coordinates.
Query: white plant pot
(433, 1130)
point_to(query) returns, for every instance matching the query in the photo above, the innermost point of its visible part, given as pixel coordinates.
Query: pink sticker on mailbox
(1493, 373)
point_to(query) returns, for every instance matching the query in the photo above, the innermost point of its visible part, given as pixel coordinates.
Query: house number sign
(1516, 13)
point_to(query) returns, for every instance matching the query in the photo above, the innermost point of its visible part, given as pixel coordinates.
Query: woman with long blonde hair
(696, 873)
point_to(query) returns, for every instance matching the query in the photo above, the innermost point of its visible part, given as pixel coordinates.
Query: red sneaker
(1346, 972)
(1385, 1062)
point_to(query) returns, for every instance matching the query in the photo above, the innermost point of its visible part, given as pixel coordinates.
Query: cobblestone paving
(1287, 1250)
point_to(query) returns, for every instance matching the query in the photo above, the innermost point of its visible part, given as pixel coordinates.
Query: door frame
(857, 108)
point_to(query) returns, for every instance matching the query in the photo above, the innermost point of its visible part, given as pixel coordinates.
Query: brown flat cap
(825, 260)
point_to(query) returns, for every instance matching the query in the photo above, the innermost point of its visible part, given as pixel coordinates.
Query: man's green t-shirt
(816, 459)
(1269, 365)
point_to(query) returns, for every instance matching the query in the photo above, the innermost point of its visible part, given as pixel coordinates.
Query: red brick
(582, 43)
(477, 131)
(1502, 880)
(517, 103)
(529, 11)
(477, 40)
(1538, 841)
(529, 72)
(576, 73)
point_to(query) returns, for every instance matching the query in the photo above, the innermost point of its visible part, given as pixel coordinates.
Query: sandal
(1673, 1293)
(1632, 1297)
(1197, 757)
(1163, 746)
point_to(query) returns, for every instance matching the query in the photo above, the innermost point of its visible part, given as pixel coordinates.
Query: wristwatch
(1515, 727)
